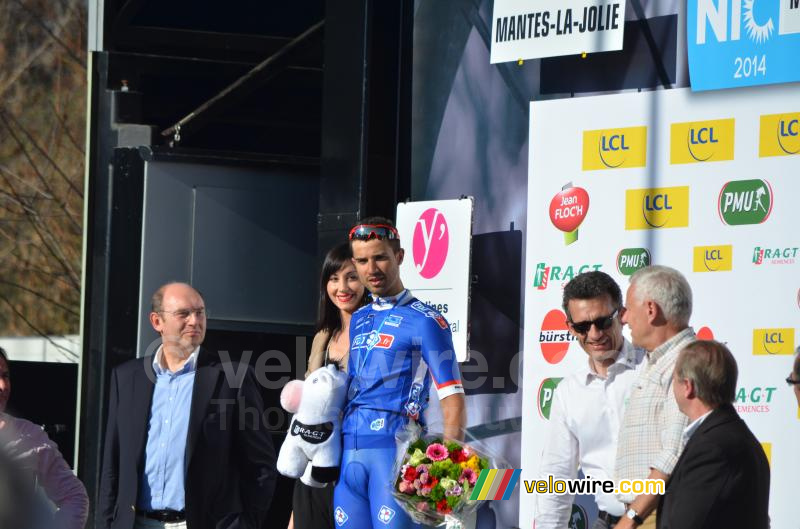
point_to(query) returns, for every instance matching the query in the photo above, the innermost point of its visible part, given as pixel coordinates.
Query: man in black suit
(722, 476)
(185, 444)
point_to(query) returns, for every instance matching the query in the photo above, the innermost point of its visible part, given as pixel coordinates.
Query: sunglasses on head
(365, 232)
(602, 323)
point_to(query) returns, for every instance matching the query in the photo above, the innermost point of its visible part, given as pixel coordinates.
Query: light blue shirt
(162, 483)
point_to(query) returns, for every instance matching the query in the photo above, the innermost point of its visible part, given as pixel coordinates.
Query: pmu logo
(547, 390)
(773, 341)
(431, 242)
(614, 148)
(578, 518)
(745, 202)
(545, 273)
(554, 338)
(779, 134)
(629, 260)
(702, 141)
(758, 20)
(779, 256)
(754, 400)
(657, 207)
(713, 258)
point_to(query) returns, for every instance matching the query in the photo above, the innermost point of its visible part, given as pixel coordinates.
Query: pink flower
(406, 487)
(425, 491)
(424, 477)
(467, 452)
(455, 491)
(422, 506)
(436, 452)
(469, 475)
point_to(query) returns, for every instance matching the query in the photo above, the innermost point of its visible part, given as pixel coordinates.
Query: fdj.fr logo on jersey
(779, 134)
(701, 141)
(547, 390)
(614, 148)
(373, 339)
(754, 400)
(713, 258)
(773, 341)
(745, 202)
(657, 207)
(555, 337)
(629, 260)
(774, 255)
(545, 273)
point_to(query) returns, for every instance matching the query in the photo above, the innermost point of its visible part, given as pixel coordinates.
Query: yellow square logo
(779, 135)
(657, 207)
(713, 258)
(773, 341)
(701, 141)
(614, 148)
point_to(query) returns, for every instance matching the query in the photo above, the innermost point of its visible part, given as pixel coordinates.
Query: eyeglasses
(183, 314)
(792, 382)
(365, 232)
(601, 323)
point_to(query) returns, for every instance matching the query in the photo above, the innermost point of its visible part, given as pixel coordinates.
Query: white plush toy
(312, 450)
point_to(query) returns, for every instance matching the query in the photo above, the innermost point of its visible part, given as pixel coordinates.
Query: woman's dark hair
(3, 355)
(329, 319)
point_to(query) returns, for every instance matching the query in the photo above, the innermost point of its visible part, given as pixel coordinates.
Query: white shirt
(688, 432)
(584, 426)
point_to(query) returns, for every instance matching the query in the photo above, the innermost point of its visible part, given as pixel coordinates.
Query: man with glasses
(398, 345)
(184, 444)
(722, 477)
(588, 405)
(658, 306)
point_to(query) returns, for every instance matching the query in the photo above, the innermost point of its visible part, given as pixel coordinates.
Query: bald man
(185, 446)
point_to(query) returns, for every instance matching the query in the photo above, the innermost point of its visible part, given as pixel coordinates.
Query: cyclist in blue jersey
(398, 346)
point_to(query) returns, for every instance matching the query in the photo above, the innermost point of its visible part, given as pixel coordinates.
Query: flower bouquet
(434, 479)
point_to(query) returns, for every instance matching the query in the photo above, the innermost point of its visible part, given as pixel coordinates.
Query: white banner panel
(531, 29)
(707, 183)
(437, 237)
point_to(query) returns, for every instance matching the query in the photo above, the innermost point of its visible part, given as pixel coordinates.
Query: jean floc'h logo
(567, 210)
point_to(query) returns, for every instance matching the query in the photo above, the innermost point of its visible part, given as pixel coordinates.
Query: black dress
(313, 507)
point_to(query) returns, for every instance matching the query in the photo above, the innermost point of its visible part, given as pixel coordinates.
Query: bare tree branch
(41, 23)
(35, 329)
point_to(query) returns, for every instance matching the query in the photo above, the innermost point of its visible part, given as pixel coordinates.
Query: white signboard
(703, 182)
(532, 29)
(437, 238)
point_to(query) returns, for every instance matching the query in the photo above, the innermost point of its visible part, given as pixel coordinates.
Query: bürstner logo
(753, 400)
(555, 338)
(705, 333)
(547, 390)
(775, 256)
(773, 341)
(544, 273)
(629, 260)
(745, 202)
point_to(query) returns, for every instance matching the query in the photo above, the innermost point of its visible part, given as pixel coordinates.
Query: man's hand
(455, 416)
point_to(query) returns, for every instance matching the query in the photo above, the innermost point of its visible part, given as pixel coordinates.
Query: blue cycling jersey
(395, 343)
(397, 346)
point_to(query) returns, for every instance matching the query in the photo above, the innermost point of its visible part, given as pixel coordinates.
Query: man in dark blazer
(722, 477)
(185, 442)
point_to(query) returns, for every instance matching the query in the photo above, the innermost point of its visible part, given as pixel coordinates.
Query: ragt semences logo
(568, 208)
(554, 338)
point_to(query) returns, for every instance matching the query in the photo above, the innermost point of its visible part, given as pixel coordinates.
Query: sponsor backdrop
(703, 182)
